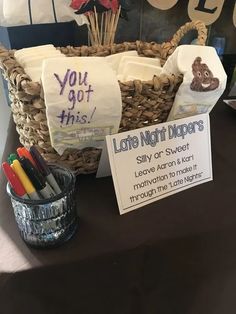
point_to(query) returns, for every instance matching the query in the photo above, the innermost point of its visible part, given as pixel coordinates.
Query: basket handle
(197, 25)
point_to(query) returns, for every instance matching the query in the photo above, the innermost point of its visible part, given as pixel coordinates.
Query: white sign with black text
(152, 163)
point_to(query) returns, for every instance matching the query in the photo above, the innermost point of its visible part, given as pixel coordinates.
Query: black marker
(36, 178)
(44, 169)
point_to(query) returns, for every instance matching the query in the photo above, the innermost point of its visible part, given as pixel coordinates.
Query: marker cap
(23, 152)
(39, 160)
(44, 169)
(11, 158)
(13, 179)
(35, 177)
(27, 184)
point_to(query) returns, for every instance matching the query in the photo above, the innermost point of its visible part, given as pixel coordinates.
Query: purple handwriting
(76, 80)
(67, 118)
(79, 96)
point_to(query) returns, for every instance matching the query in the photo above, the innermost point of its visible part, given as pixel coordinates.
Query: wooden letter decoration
(207, 11)
(163, 4)
(201, 7)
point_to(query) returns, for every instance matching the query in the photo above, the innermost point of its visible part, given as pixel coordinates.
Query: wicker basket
(144, 103)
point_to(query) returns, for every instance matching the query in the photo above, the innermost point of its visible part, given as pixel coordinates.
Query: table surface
(177, 255)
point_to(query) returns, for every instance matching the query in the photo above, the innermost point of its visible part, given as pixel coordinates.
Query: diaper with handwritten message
(83, 101)
(204, 80)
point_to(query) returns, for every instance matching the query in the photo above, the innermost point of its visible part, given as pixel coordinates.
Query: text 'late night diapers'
(204, 80)
(83, 101)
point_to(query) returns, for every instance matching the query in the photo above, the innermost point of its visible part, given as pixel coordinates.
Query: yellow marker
(27, 184)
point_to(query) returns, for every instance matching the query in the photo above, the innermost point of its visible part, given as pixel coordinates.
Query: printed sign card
(83, 101)
(152, 163)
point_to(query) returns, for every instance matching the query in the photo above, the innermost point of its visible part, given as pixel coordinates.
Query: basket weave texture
(143, 103)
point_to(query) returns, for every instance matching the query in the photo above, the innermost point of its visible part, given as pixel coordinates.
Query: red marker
(23, 152)
(14, 181)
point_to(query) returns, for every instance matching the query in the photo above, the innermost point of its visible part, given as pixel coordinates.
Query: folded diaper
(204, 80)
(34, 73)
(31, 59)
(114, 60)
(140, 71)
(33, 50)
(143, 60)
(128, 78)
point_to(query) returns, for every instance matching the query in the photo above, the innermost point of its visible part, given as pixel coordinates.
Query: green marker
(11, 158)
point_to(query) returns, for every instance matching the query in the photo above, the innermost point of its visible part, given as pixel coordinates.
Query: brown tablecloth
(177, 255)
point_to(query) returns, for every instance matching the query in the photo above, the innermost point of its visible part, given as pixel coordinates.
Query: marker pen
(27, 184)
(11, 158)
(14, 181)
(36, 178)
(44, 169)
(23, 152)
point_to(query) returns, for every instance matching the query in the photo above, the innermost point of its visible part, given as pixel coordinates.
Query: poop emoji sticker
(203, 80)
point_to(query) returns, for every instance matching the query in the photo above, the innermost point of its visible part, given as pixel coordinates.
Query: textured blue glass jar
(50, 222)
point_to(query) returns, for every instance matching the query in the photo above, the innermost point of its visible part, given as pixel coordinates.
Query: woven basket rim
(142, 101)
(152, 49)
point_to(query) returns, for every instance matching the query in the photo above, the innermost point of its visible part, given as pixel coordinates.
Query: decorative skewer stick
(116, 23)
(106, 28)
(111, 27)
(97, 26)
(90, 35)
(93, 26)
(102, 29)
(91, 29)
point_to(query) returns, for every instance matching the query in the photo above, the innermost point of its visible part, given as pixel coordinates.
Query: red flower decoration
(77, 4)
(107, 4)
(110, 4)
